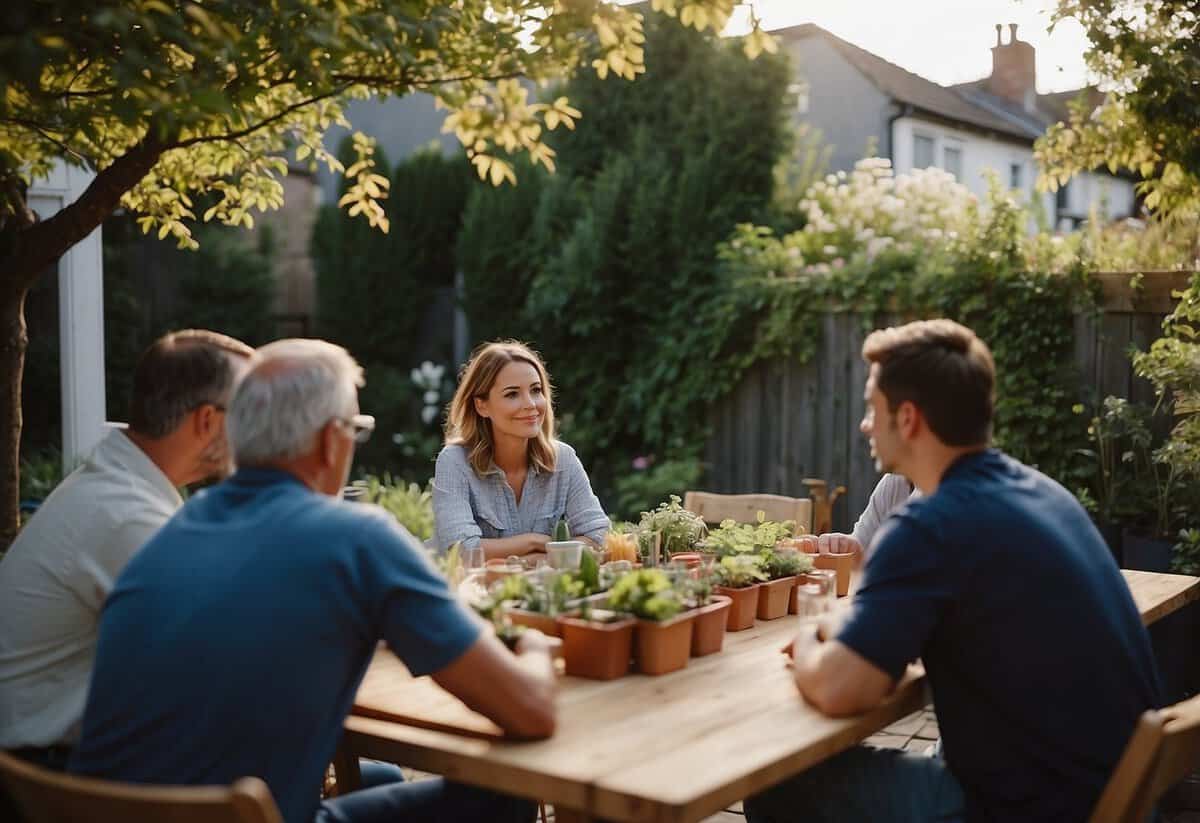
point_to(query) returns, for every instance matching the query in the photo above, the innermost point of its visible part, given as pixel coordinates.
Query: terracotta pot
(498, 569)
(843, 564)
(692, 559)
(708, 634)
(794, 597)
(543, 623)
(599, 651)
(662, 646)
(742, 608)
(773, 598)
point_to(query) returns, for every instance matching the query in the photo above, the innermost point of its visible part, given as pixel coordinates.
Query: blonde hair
(467, 428)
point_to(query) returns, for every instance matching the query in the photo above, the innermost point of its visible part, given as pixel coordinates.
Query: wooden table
(673, 748)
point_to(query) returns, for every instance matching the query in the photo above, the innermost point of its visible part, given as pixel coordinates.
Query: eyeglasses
(360, 425)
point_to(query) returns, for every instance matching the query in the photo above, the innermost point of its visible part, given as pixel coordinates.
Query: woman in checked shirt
(502, 480)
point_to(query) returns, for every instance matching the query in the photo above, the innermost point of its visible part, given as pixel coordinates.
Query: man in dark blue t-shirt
(999, 583)
(233, 644)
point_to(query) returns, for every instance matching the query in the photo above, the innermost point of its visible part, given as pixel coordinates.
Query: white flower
(428, 414)
(432, 397)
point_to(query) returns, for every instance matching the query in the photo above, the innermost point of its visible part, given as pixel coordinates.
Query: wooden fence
(787, 421)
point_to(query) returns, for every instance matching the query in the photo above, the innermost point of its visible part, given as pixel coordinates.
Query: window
(952, 161)
(1014, 176)
(799, 90)
(922, 151)
(1062, 197)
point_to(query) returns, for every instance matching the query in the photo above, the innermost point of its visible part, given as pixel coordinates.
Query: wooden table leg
(346, 770)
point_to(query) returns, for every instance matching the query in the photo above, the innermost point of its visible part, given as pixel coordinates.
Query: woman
(502, 481)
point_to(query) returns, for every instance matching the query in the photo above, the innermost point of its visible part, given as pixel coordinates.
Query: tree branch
(43, 243)
(46, 135)
(391, 82)
(234, 135)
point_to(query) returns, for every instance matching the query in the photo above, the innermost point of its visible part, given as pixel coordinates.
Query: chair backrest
(744, 508)
(45, 796)
(1164, 748)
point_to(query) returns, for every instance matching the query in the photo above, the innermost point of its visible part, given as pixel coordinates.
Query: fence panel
(790, 420)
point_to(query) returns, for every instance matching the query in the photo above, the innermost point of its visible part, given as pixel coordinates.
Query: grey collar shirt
(55, 578)
(468, 506)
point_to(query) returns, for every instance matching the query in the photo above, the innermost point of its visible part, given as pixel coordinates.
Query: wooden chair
(744, 508)
(50, 797)
(1164, 748)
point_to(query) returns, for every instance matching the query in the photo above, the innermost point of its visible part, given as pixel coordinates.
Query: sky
(947, 41)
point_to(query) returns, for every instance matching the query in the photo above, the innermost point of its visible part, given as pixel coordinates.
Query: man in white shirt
(890, 493)
(56, 575)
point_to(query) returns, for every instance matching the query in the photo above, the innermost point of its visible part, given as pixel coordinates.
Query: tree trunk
(13, 341)
(27, 249)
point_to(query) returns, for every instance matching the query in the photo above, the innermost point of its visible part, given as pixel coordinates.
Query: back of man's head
(295, 388)
(943, 369)
(180, 372)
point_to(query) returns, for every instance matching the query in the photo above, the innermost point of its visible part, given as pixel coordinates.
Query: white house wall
(983, 154)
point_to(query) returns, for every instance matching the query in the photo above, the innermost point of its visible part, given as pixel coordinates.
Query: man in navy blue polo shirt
(234, 642)
(998, 582)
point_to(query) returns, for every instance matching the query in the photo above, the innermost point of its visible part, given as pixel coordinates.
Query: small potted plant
(562, 552)
(732, 537)
(498, 568)
(738, 577)
(781, 567)
(493, 609)
(681, 530)
(711, 614)
(621, 544)
(541, 601)
(598, 643)
(663, 636)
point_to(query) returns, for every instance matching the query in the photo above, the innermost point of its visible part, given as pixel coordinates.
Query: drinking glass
(816, 592)
(650, 546)
(828, 578)
(472, 558)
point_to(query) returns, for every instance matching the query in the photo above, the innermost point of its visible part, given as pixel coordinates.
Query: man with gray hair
(274, 582)
(56, 575)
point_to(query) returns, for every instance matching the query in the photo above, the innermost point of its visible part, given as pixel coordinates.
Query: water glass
(472, 558)
(828, 582)
(816, 593)
(650, 547)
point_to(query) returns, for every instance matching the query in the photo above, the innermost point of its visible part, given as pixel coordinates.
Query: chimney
(1013, 74)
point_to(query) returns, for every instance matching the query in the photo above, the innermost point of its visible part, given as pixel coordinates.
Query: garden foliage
(375, 292)
(605, 265)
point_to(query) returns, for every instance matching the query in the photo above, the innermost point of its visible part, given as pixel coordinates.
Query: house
(857, 99)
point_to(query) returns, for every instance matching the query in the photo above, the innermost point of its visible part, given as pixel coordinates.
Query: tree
(1147, 54)
(616, 267)
(168, 99)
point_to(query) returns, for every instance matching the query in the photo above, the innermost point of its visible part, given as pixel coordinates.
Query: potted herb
(562, 552)
(542, 600)
(738, 577)
(731, 537)
(1172, 365)
(663, 637)
(1121, 453)
(781, 567)
(681, 530)
(710, 614)
(621, 544)
(492, 609)
(598, 643)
